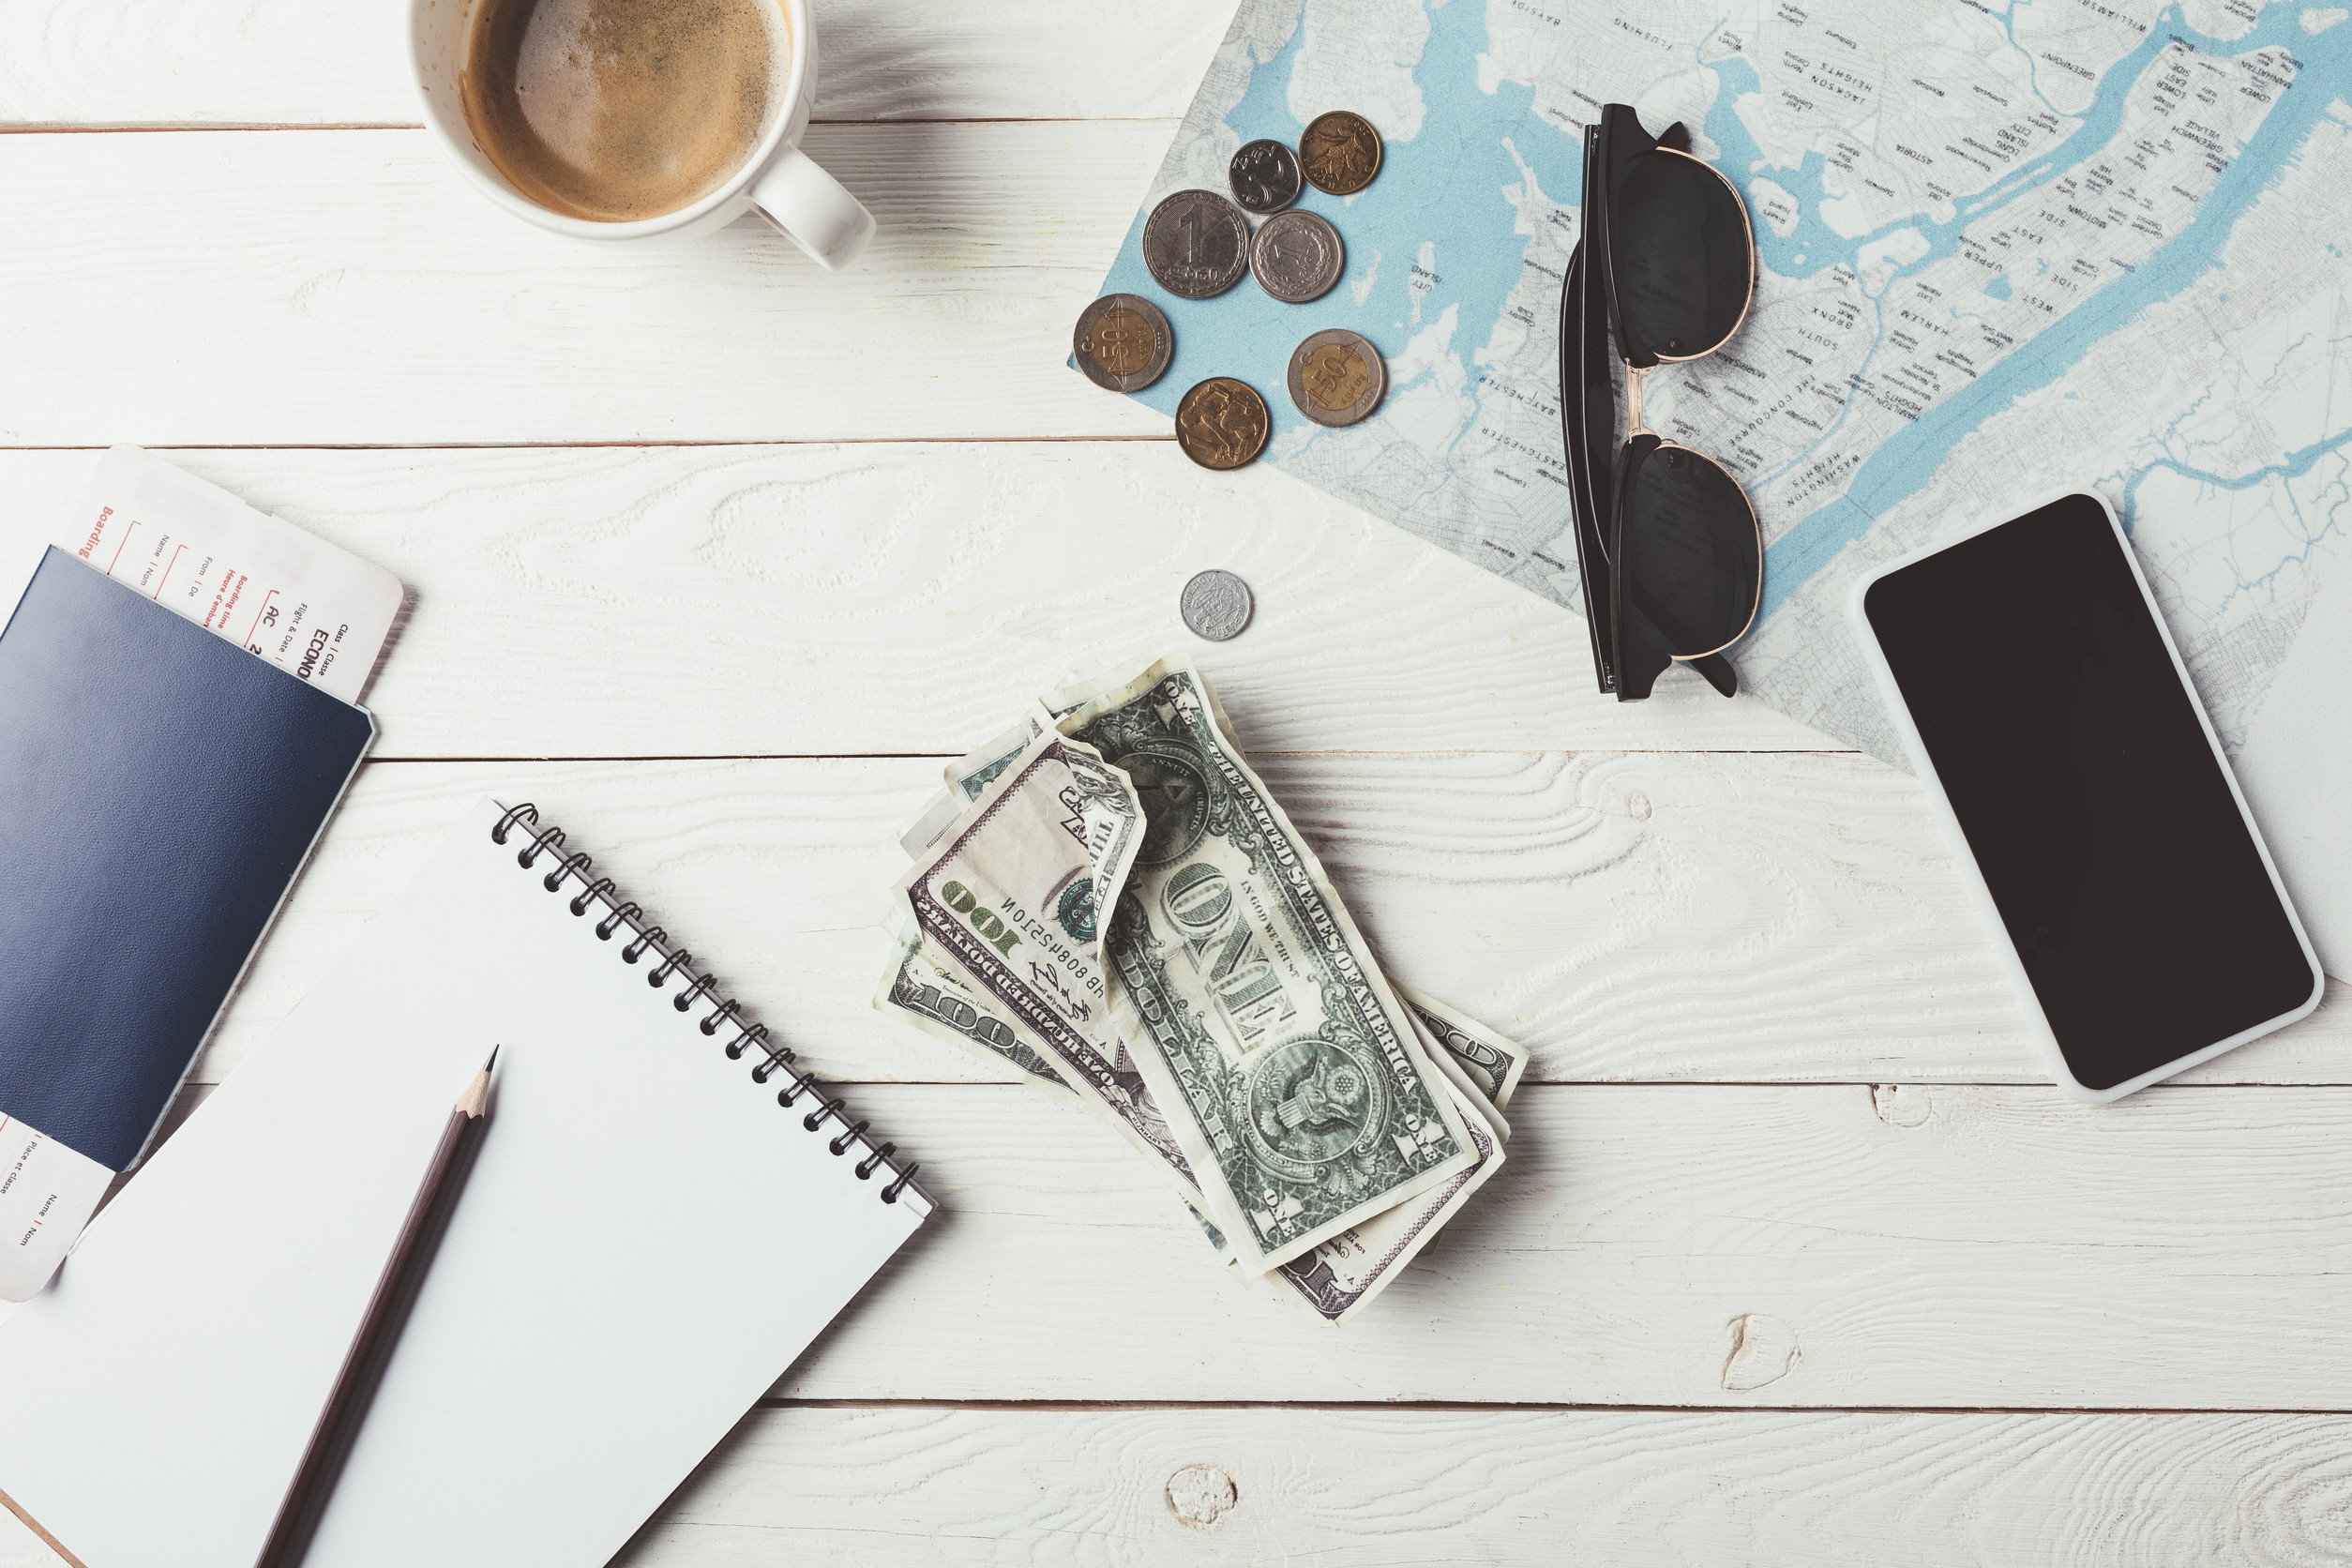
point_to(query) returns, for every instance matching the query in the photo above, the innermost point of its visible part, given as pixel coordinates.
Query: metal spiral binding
(646, 937)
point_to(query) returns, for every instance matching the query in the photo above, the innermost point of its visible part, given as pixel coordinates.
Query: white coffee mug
(778, 180)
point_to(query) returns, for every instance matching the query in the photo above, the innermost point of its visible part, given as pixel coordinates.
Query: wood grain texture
(903, 597)
(1738, 1246)
(339, 62)
(1830, 1245)
(1631, 918)
(943, 1487)
(1368, 1489)
(344, 287)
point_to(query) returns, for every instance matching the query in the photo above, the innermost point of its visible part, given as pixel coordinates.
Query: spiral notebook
(647, 1241)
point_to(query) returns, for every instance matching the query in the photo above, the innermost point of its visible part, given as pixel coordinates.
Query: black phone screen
(2104, 827)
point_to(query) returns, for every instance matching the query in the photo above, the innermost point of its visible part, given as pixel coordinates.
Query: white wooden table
(714, 556)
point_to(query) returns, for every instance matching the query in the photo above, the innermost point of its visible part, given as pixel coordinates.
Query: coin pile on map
(1106, 899)
(1197, 244)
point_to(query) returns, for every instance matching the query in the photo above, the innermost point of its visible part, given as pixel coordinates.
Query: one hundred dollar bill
(1493, 1062)
(969, 776)
(1005, 904)
(918, 992)
(1290, 1074)
(939, 815)
(1458, 1077)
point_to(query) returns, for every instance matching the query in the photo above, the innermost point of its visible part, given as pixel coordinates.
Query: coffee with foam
(620, 110)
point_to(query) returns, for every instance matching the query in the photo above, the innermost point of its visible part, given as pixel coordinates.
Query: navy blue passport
(159, 788)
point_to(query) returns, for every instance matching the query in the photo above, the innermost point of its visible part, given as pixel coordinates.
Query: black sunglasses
(1667, 544)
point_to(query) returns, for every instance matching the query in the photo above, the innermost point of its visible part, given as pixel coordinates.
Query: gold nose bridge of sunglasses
(1635, 375)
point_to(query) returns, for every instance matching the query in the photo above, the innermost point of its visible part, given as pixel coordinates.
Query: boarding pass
(317, 612)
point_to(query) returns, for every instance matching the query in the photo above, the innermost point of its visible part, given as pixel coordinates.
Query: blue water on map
(1465, 144)
(1907, 461)
(1448, 187)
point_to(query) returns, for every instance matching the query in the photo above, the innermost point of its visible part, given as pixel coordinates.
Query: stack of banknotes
(1107, 897)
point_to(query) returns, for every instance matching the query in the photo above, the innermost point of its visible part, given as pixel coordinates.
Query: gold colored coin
(1340, 152)
(1122, 342)
(1335, 376)
(1222, 423)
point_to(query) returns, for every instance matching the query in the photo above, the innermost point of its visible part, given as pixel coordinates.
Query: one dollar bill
(1341, 1275)
(1289, 1072)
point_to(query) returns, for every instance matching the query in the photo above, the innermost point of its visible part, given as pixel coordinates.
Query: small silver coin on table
(1195, 244)
(1122, 342)
(1337, 377)
(1264, 175)
(1297, 256)
(1217, 606)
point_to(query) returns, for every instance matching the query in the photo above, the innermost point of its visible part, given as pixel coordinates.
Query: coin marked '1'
(1297, 257)
(1195, 244)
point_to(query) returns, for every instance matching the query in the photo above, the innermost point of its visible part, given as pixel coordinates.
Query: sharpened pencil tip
(476, 1100)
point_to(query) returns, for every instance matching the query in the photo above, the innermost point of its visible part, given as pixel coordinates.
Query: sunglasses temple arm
(1718, 671)
(1592, 573)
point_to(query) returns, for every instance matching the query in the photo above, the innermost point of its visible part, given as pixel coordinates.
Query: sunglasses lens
(1693, 562)
(1686, 264)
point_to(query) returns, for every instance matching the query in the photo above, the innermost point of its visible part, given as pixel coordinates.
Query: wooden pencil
(380, 1326)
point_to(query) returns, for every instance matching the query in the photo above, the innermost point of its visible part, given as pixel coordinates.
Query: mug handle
(812, 209)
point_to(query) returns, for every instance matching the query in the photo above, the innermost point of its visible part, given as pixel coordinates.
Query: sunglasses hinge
(1634, 374)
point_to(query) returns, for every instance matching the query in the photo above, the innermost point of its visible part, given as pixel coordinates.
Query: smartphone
(2029, 674)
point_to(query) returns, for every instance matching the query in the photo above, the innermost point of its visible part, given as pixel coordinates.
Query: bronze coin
(1222, 423)
(1340, 152)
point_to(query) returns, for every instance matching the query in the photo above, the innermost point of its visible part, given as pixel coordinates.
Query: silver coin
(1122, 342)
(1297, 256)
(1337, 377)
(1217, 606)
(1264, 175)
(1197, 243)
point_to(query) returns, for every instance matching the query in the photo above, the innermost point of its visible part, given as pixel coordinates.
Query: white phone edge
(1899, 712)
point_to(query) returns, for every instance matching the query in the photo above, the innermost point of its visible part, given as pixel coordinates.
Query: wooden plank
(935, 1487)
(337, 62)
(903, 597)
(1741, 1246)
(1368, 1488)
(1831, 1246)
(344, 287)
(1643, 917)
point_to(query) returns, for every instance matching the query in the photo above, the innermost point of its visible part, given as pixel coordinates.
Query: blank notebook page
(645, 1244)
